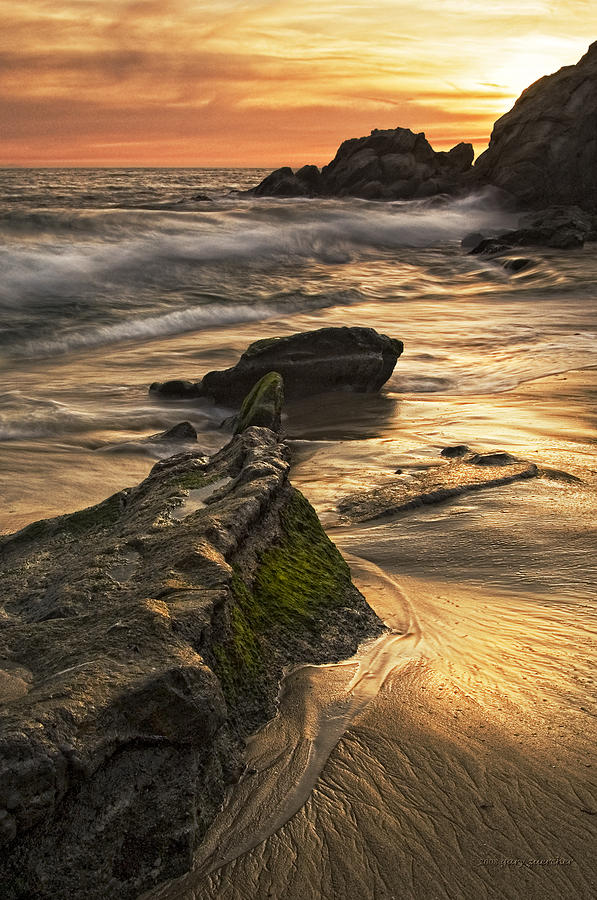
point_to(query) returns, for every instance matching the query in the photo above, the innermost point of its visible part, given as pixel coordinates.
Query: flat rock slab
(438, 483)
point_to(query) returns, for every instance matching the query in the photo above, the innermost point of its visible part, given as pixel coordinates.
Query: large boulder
(310, 362)
(544, 151)
(389, 164)
(141, 640)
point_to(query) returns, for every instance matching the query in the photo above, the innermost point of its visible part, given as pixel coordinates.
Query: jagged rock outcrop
(544, 150)
(310, 362)
(389, 164)
(141, 639)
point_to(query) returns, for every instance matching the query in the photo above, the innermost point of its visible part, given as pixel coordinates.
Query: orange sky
(197, 82)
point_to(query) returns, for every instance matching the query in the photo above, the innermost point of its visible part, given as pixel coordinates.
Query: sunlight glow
(266, 83)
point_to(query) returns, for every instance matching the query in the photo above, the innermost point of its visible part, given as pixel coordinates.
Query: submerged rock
(469, 472)
(496, 458)
(176, 389)
(142, 639)
(544, 150)
(557, 227)
(517, 264)
(456, 451)
(182, 433)
(388, 164)
(158, 445)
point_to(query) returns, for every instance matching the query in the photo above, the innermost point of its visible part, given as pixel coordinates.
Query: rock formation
(311, 362)
(390, 164)
(558, 227)
(544, 151)
(141, 639)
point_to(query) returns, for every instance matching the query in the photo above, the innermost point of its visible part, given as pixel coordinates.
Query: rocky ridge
(141, 640)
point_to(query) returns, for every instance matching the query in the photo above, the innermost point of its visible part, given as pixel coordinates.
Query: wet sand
(455, 757)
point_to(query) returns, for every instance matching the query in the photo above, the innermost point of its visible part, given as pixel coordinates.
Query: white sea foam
(66, 251)
(210, 315)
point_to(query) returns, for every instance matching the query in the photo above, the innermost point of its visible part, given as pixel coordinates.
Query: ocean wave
(177, 322)
(24, 418)
(49, 252)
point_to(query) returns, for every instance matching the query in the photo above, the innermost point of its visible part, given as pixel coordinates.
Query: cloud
(219, 75)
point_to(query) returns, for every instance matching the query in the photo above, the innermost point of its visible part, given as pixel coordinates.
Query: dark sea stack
(544, 151)
(310, 362)
(142, 639)
(390, 164)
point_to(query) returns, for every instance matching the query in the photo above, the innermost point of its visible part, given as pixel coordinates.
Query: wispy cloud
(265, 82)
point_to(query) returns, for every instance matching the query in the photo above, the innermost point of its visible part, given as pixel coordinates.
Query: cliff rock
(544, 151)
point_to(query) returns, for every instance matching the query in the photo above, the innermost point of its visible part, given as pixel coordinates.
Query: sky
(233, 83)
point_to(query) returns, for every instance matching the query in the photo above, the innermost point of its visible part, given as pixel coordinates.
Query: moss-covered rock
(310, 362)
(263, 405)
(147, 636)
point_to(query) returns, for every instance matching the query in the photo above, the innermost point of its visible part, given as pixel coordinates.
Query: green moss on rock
(297, 580)
(101, 515)
(263, 404)
(190, 481)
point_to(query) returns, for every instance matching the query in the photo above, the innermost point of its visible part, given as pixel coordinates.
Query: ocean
(112, 279)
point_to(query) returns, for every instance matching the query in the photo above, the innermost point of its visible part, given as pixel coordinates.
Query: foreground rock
(141, 640)
(390, 164)
(544, 151)
(311, 362)
(463, 472)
